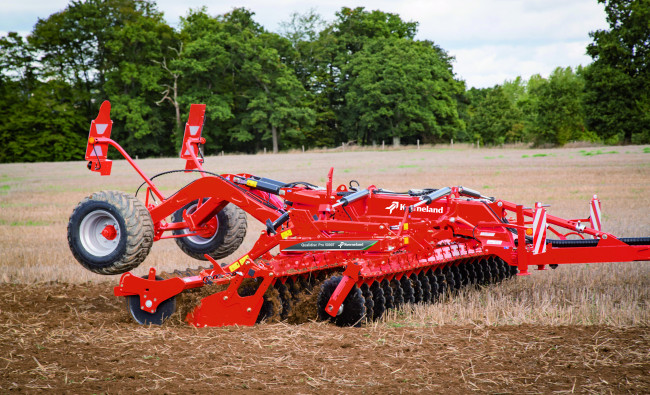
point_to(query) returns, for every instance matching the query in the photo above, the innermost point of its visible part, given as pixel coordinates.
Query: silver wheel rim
(90, 233)
(198, 239)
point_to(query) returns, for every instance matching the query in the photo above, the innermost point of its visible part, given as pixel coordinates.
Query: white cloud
(488, 65)
(492, 40)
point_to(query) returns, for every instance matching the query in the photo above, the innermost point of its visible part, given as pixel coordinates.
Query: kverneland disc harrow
(357, 251)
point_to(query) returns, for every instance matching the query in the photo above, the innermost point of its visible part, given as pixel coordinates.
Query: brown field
(581, 328)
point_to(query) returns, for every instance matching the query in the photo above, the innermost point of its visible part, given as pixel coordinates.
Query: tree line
(362, 77)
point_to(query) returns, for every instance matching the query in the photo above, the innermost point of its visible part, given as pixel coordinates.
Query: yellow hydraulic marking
(406, 240)
(251, 183)
(238, 264)
(406, 226)
(286, 234)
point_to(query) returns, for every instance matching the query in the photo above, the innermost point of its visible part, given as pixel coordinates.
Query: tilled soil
(79, 339)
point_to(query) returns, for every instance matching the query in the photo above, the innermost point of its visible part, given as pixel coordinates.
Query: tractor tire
(110, 232)
(230, 233)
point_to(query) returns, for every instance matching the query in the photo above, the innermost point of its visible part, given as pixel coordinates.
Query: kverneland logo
(393, 206)
(402, 207)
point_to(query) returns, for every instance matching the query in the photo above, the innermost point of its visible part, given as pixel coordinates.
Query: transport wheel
(353, 309)
(230, 224)
(110, 232)
(165, 309)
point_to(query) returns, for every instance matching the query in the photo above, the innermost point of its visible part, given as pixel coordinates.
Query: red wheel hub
(109, 232)
(209, 228)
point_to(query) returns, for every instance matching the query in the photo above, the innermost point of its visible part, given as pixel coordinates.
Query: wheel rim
(200, 239)
(94, 230)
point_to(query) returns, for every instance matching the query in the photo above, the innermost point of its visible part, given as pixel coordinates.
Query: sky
(492, 40)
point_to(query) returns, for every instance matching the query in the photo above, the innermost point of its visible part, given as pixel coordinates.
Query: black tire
(132, 232)
(354, 305)
(229, 235)
(165, 309)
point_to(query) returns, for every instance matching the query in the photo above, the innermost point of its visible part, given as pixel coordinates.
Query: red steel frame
(405, 234)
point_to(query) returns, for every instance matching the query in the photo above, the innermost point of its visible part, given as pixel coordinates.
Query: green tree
(399, 88)
(617, 98)
(493, 117)
(302, 31)
(134, 75)
(558, 116)
(38, 121)
(72, 48)
(332, 51)
(312, 64)
(517, 95)
(239, 69)
(43, 128)
(107, 49)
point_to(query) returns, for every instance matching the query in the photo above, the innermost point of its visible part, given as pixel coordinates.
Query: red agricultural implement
(362, 250)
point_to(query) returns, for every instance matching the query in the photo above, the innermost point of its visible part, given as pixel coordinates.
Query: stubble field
(581, 328)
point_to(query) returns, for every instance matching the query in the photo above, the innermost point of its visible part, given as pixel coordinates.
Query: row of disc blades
(304, 298)
(369, 302)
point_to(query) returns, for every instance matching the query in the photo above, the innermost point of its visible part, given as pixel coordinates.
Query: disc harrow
(344, 254)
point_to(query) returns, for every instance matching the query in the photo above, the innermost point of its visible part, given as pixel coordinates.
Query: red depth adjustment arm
(192, 138)
(97, 151)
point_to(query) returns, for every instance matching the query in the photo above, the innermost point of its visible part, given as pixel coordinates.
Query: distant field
(581, 328)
